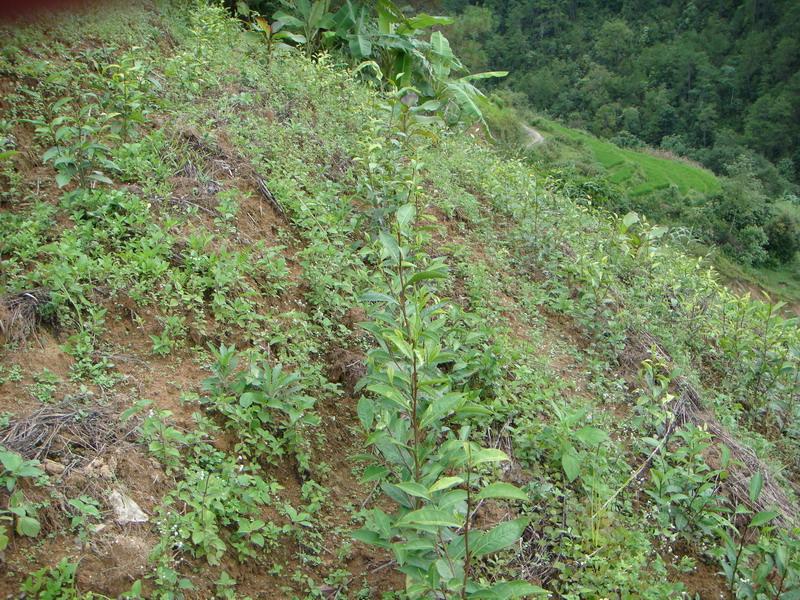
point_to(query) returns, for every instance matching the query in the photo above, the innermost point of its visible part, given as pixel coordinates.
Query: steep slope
(639, 172)
(243, 228)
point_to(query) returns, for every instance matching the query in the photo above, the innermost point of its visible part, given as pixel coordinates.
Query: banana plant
(274, 35)
(310, 22)
(392, 42)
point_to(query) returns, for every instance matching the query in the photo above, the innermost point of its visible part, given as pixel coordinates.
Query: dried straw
(21, 314)
(64, 431)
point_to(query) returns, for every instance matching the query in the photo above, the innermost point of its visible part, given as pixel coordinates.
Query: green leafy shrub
(18, 511)
(264, 405)
(783, 234)
(432, 474)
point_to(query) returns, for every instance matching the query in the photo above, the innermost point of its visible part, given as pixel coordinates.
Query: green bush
(783, 234)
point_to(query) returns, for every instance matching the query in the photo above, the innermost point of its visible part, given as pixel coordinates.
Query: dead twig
(262, 187)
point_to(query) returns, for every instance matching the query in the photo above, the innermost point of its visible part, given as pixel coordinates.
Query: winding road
(534, 137)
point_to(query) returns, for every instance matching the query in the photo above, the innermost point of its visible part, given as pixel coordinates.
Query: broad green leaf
(429, 517)
(571, 465)
(377, 297)
(11, 460)
(501, 536)
(366, 412)
(51, 154)
(630, 219)
(423, 21)
(28, 526)
(763, 518)
(249, 398)
(368, 537)
(405, 214)
(591, 436)
(484, 75)
(725, 456)
(485, 455)
(412, 488)
(443, 406)
(465, 95)
(360, 46)
(756, 484)
(292, 37)
(508, 590)
(445, 570)
(425, 275)
(287, 19)
(388, 15)
(502, 490)
(473, 409)
(390, 393)
(390, 245)
(657, 232)
(98, 176)
(63, 179)
(440, 46)
(444, 483)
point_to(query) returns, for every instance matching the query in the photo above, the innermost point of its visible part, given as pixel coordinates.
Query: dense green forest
(287, 312)
(706, 80)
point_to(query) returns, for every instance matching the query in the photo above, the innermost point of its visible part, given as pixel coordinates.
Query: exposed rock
(52, 467)
(125, 509)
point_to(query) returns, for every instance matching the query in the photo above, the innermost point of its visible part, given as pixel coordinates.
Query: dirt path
(534, 137)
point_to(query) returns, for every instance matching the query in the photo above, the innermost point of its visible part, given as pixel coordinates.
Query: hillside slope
(639, 172)
(224, 211)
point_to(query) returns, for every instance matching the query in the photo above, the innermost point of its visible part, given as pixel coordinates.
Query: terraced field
(640, 172)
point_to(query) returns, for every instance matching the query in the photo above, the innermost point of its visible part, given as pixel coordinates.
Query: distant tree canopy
(711, 80)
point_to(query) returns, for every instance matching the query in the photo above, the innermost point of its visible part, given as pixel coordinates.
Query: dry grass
(21, 314)
(67, 432)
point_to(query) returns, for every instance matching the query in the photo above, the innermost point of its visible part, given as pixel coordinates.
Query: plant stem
(466, 524)
(414, 377)
(736, 564)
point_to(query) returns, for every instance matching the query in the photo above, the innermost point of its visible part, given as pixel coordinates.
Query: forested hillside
(707, 80)
(716, 83)
(280, 320)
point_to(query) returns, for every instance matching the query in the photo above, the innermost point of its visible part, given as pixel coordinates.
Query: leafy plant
(391, 44)
(129, 96)
(273, 34)
(264, 404)
(559, 441)
(19, 512)
(737, 547)
(44, 386)
(431, 473)
(77, 151)
(84, 511)
(685, 488)
(220, 503)
(164, 441)
(310, 20)
(53, 583)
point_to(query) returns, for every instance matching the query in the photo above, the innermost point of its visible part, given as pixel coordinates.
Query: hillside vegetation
(709, 80)
(714, 83)
(669, 190)
(638, 172)
(277, 325)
